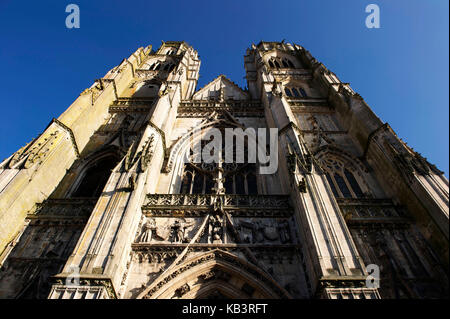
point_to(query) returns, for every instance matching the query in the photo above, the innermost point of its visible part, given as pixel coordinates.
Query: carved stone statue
(284, 231)
(258, 232)
(179, 231)
(215, 229)
(270, 232)
(148, 230)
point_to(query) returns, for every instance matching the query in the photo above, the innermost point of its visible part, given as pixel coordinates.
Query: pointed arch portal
(215, 274)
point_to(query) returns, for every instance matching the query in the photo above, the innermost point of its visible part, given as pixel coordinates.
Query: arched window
(291, 64)
(341, 179)
(303, 92)
(239, 178)
(285, 64)
(157, 66)
(296, 94)
(353, 183)
(271, 64)
(277, 65)
(287, 91)
(95, 177)
(196, 181)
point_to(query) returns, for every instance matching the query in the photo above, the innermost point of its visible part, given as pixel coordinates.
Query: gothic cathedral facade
(108, 203)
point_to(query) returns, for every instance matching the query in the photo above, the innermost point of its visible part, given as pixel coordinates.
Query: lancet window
(295, 92)
(278, 63)
(95, 177)
(341, 179)
(238, 178)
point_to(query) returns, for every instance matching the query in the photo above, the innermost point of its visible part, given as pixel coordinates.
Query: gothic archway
(214, 274)
(93, 173)
(253, 183)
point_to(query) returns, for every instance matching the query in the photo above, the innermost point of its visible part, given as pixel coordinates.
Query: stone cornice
(163, 138)
(69, 130)
(87, 280)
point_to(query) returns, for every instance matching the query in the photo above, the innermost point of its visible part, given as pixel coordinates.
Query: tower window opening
(296, 94)
(342, 180)
(95, 178)
(237, 178)
(288, 92)
(303, 92)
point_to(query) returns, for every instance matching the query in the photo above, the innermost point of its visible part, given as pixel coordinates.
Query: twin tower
(108, 203)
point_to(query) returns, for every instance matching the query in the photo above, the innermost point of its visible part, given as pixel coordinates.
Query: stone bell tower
(111, 201)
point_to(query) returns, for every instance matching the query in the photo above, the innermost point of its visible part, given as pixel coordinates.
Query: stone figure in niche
(179, 231)
(275, 89)
(258, 230)
(254, 231)
(246, 231)
(148, 230)
(270, 232)
(132, 181)
(215, 229)
(182, 290)
(284, 231)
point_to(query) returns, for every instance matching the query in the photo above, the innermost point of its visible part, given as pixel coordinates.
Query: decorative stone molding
(163, 138)
(226, 258)
(72, 136)
(375, 212)
(59, 283)
(62, 209)
(254, 202)
(38, 150)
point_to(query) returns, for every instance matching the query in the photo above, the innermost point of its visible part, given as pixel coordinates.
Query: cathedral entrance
(214, 275)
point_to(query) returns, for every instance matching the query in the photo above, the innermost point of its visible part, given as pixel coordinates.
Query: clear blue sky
(401, 69)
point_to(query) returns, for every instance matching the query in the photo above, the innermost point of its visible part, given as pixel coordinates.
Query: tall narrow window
(196, 181)
(296, 94)
(240, 178)
(186, 182)
(95, 178)
(342, 180)
(333, 188)
(288, 92)
(252, 188)
(342, 186)
(353, 183)
(303, 92)
(285, 64)
(239, 184)
(271, 64)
